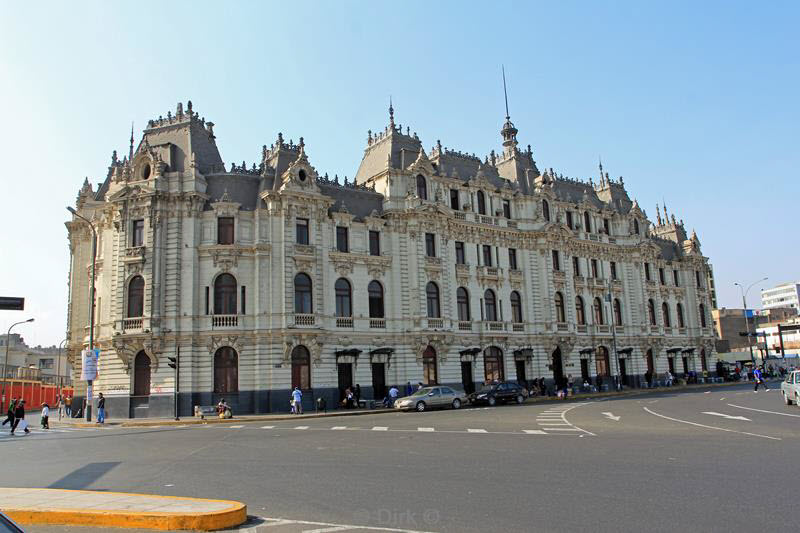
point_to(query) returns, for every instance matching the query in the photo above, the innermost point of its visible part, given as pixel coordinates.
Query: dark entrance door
(585, 370)
(671, 362)
(558, 367)
(140, 399)
(378, 381)
(466, 377)
(650, 365)
(345, 378)
(521, 381)
(623, 371)
(685, 365)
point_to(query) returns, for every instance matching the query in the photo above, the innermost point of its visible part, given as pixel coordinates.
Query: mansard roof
(240, 188)
(358, 202)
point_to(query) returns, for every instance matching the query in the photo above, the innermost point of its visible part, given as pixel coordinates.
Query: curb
(234, 515)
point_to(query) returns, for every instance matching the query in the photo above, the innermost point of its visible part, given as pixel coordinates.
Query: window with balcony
(422, 187)
(560, 314)
(516, 307)
(607, 226)
(651, 312)
(661, 278)
(136, 297)
(487, 255)
(595, 273)
(587, 222)
(598, 311)
(460, 258)
(481, 203)
(302, 294)
(342, 239)
(580, 311)
(432, 300)
(301, 228)
(675, 278)
(556, 261)
(546, 210)
(512, 258)
(430, 245)
(490, 305)
(665, 314)
(225, 295)
(679, 312)
(343, 293)
(462, 303)
(613, 266)
(570, 221)
(225, 230)
(374, 242)
(454, 199)
(137, 235)
(576, 265)
(507, 208)
(617, 312)
(375, 292)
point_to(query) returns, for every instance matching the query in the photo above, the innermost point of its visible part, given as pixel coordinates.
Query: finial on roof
(302, 143)
(225, 197)
(505, 92)
(179, 110)
(114, 159)
(600, 166)
(130, 151)
(666, 216)
(673, 219)
(391, 113)
(189, 107)
(438, 145)
(658, 215)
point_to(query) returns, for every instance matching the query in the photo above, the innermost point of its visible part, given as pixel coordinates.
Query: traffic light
(173, 362)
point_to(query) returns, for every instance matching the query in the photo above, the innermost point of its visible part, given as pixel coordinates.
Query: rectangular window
(138, 233)
(374, 242)
(454, 199)
(512, 259)
(697, 278)
(607, 226)
(647, 271)
(595, 273)
(225, 230)
(430, 245)
(556, 262)
(244, 308)
(675, 278)
(487, 255)
(45, 364)
(576, 266)
(302, 231)
(570, 222)
(613, 270)
(460, 259)
(661, 277)
(206, 300)
(342, 242)
(507, 208)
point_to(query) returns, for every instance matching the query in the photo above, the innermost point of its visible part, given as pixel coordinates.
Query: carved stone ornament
(312, 343)
(214, 343)
(126, 349)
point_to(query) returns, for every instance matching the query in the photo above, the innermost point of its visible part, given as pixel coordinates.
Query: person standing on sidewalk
(101, 409)
(19, 417)
(759, 379)
(68, 406)
(297, 398)
(45, 416)
(393, 393)
(357, 394)
(10, 415)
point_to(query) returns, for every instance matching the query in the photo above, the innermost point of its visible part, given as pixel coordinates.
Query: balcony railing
(681, 331)
(487, 220)
(133, 325)
(460, 215)
(304, 249)
(619, 329)
(224, 321)
(377, 323)
(344, 322)
(518, 327)
(303, 319)
(464, 325)
(436, 323)
(489, 325)
(562, 326)
(602, 328)
(667, 330)
(581, 328)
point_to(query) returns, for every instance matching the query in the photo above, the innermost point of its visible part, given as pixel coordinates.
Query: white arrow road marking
(710, 427)
(611, 416)
(723, 415)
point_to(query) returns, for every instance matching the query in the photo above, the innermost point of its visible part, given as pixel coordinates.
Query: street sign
(10, 303)
(88, 365)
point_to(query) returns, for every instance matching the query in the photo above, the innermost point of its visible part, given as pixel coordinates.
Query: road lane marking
(270, 522)
(301, 427)
(235, 427)
(380, 428)
(534, 432)
(267, 427)
(338, 428)
(611, 416)
(559, 423)
(425, 429)
(723, 415)
(476, 431)
(563, 429)
(710, 427)
(763, 411)
(327, 529)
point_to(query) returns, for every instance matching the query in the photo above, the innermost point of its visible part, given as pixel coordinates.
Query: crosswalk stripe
(562, 429)
(267, 427)
(235, 427)
(425, 429)
(380, 428)
(553, 424)
(338, 428)
(476, 431)
(301, 427)
(534, 432)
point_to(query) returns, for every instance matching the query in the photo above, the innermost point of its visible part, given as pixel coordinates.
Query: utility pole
(747, 318)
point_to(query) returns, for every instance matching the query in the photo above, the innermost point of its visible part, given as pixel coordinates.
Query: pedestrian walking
(668, 378)
(357, 394)
(297, 398)
(393, 392)
(19, 418)
(68, 406)
(409, 389)
(45, 416)
(101, 409)
(758, 377)
(59, 406)
(10, 414)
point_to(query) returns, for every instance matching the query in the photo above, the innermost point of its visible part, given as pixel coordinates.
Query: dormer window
(137, 237)
(225, 230)
(146, 170)
(546, 210)
(422, 187)
(481, 203)
(587, 222)
(636, 226)
(301, 175)
(507, 209)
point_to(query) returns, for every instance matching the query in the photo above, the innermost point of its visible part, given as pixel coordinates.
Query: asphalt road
(714, 459)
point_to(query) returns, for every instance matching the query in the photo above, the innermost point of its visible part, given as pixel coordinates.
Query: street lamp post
(60, 381)
(5, 363)
(746, 318)
(611, 321)
(91, 309)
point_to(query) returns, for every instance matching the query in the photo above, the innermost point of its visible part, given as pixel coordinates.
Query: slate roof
(358, 202)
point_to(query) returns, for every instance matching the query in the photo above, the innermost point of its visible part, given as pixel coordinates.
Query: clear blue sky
(694, 103)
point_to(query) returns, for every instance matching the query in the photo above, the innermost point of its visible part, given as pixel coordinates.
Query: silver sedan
(432, 397)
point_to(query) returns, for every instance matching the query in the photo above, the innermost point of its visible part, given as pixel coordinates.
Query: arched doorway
(226, 371)
(602, 362)
(141, 374)
(651, 367)
(429, 370)
(703, 360)
(493, 364)
(558, 367)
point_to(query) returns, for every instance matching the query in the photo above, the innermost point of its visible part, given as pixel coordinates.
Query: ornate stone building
(431, 266)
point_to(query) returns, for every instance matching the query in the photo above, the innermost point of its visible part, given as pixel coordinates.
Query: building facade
(784, 295)
(430, 266)
(45, 363)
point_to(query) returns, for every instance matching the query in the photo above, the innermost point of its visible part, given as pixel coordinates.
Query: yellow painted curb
(234, 515)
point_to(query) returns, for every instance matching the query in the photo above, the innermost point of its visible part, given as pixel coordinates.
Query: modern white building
(784, 295)
(430, 266)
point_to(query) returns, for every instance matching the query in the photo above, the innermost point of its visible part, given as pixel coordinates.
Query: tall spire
(509, 132)
(130, 150)
(391, 113)
(505, 92)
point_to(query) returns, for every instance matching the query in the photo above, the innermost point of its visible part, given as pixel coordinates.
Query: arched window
(546, 210)
(343, 298)
(679, 311)
(703, 360)
(136, 297)
(422, 187)
(490, 305)
(432, 297)
(665, 312)
(302, 294)
(225, 295)
(702, 316)
(617, 312)
(602, 361)
(375, 291)
(429, 375)
(301, 368)
(587, 222)
(462, 301)
(226, 371)
(598, 311)
(493, 364)
(560, 314)
(141, 374)
(481, 203)
(636, 226)
(580, 311)
(651, 311)
(516, 307)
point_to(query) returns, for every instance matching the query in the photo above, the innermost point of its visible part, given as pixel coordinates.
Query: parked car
(790, 388)
(432, 397)
(504, 391)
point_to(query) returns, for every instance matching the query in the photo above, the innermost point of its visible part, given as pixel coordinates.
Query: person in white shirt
(297, 397)
(393, 392)
(45, 416)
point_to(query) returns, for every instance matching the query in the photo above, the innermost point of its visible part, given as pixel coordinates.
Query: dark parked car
(493, 393)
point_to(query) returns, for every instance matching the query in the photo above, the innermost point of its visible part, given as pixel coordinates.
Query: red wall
(35, 393)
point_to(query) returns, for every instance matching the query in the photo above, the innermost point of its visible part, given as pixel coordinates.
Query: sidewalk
(150, 422)
(119, 509)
